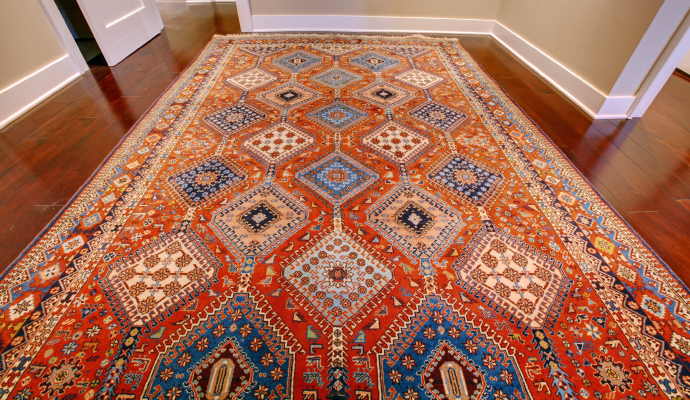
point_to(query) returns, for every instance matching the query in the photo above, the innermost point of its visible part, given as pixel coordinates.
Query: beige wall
(592, 38)
(27, 42)
(463, 9)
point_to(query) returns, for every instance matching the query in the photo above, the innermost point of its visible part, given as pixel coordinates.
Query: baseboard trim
(592, 101)
(588, 98)
(615, 107)
(352, 23)
(18, 98)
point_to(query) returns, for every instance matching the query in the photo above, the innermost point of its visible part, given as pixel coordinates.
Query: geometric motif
(407, 51)
(374, 61)
(261, 50)
(259, 217)
(337, 177)
(419, 79)
(396, 143)
(337, 116)
(289, 96)
(414, 218)
(91, 220)
(414, 221)
(500, 268)
(162, 276)
(336, 78)
(234, 118)
(439, 116)
(278, 143)
(213, 377)
(205, 180)
(22, 307)
(437, 353)
(384, 95)
(73, 244)
(466, 179)
(60, 376)
(447, 371)
(258, 221)
(335, 49)
(337, 276)
(232, 343)
(652, 306)
(250, 80)
(299, 61)
(612, 373)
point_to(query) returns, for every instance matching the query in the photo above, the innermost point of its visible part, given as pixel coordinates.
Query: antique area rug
(338, 217)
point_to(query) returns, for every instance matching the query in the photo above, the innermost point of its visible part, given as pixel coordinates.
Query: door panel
(121, 26)
(121, 8)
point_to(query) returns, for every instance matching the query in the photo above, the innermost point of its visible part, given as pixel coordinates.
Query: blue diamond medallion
(233, 119)
(467, 179)
(337, 116)
(374, 61)
(337, 177)
(298, 61)
(205, 180)
(336, 78)
(259, 217)
(439, 116)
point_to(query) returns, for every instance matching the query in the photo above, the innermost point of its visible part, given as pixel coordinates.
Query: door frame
(678, 46)
(57, 22)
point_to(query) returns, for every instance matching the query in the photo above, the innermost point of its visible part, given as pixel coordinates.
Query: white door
(121, 26)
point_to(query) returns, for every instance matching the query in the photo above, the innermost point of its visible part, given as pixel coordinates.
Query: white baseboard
(616, 107)
(209, 1)
(351, 23)
(26, 93)
(591, 100)
(588, 98)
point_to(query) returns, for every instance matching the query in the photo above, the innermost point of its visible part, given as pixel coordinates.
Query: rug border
(589, 185)
(103, 163)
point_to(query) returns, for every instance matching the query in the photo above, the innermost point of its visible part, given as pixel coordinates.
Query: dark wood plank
(48, 153)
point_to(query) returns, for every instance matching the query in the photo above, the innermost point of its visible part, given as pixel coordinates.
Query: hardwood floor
(641, 166)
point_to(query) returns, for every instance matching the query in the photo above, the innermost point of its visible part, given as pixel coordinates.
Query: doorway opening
(81, 32)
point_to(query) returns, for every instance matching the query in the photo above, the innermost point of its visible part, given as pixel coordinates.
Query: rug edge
(100, 168)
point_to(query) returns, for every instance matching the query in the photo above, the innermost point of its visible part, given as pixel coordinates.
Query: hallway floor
(641, 166)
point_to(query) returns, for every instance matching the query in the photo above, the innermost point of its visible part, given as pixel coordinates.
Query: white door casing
(121, 26)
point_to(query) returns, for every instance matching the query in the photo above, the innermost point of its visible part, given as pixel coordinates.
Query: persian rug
(340, 217)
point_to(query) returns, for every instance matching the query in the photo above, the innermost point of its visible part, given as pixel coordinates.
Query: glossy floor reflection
(642, 166)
